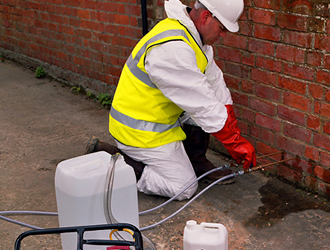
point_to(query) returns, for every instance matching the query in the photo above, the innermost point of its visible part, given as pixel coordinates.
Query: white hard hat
(226, 11)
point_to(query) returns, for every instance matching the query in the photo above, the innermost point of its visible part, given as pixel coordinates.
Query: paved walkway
(43, 123)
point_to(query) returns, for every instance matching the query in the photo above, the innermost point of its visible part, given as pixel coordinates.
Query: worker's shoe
(196, 145)
(96, 145)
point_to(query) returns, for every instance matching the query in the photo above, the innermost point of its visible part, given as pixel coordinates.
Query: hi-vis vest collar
(135, 121)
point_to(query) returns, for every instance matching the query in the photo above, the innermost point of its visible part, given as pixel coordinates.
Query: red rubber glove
(238, 147)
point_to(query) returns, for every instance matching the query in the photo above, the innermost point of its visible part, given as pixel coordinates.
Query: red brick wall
(88, 37)
(278, 69)
(277, 66)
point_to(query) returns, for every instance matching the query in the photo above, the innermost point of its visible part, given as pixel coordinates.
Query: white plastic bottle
(80, 187)
(206, 236)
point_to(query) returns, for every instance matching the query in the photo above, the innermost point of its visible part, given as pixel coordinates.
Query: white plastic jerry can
(206, 236)
(80, 189)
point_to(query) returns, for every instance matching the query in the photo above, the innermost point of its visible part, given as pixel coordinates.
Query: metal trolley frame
(80, 230)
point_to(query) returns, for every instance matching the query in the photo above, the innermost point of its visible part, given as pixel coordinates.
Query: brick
(248, 2)
(243, 128)
(312, 153)
(121, 8)
(267, 32)
(109, 7)
(229, 54)
(248, 58)
(297, 132)
(121, 19)
(327, 61)
(314, 58)
(322, 42)
(300, 39)
(84, 14)
(248, 115)
(265, 135)
(313, 122)
(133, 10)
(111, 29)
(267, 92)
(300, 7)
(289, 174)
(235, 41)
(317, 107)
(292, 84)
(160, 2)
(237, 69)
(325, 159)
(73, 3)
(299, 71)
(262, 106)
(292, 22)
(261, 47)
(232, 82)
(239, 98)
(291, 115)
(264, 77)
(83, 33)
(323, 77)
(290, 146)
(91, 5)
(296, 101)
(65, 29)
(268, 122)
(326, 127)
(55, 2)
(322, 173)
(73, 22)
(290, 53)
(245, 28)
(327, 95)
(262, 16)
(271, 4)
(316, 25)
(132, 32)
(316, 91)
(303, 166)
(247, 85)
(269, 64)
(325, 110)
(322, 141)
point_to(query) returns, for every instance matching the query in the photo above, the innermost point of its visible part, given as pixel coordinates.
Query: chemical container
(80, 187)
(206, 236)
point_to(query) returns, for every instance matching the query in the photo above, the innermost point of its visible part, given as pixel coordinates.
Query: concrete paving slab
(43, 123)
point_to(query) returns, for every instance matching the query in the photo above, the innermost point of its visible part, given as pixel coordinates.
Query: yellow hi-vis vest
(141, 116)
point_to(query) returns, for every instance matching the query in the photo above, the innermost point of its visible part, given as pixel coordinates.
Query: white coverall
(172, 68)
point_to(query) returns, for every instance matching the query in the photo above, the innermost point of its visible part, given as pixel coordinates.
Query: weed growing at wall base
(104, 99)
(40, 72)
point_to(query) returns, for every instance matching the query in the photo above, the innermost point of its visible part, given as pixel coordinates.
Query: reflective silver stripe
(141, 125)
(132, 63)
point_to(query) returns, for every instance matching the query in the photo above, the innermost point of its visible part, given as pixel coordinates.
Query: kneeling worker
(171, 78)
